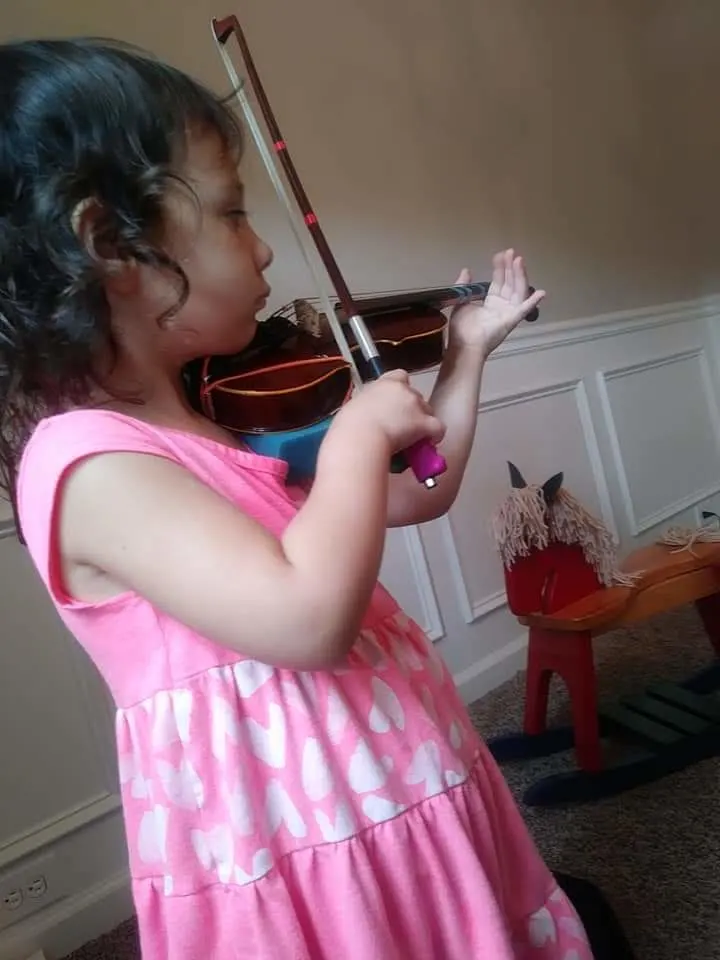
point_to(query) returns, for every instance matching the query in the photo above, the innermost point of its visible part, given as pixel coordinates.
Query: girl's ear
(90, 227)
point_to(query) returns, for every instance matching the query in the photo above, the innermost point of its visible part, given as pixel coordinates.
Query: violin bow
(426, 463)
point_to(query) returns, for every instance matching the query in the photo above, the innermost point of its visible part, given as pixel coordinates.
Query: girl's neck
(157, 397)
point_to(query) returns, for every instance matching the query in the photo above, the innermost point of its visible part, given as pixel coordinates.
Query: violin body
(282, 391)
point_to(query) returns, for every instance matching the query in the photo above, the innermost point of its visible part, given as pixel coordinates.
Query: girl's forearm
(337, 539)
(454, 399)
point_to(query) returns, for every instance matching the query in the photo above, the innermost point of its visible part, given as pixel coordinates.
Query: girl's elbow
(328, 648)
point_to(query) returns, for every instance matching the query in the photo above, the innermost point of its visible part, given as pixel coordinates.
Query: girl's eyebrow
(224, 191)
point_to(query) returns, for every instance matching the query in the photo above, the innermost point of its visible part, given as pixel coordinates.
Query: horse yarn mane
(532, 516)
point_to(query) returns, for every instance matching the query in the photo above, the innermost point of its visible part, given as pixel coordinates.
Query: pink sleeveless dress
(346, 813)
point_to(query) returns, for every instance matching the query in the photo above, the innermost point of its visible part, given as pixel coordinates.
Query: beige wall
(431, 132)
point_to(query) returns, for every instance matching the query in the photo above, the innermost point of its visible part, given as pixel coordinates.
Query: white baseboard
(492, 670)
(71, 923)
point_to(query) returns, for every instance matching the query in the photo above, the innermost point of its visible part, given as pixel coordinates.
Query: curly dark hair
(80, 118)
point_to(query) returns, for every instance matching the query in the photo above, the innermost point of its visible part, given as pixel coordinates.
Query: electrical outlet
(29, 888)
(13, 899)
(37, 888)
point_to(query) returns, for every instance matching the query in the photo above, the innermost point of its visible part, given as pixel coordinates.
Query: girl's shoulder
(59, 440)
(62, 441)
(90, 430)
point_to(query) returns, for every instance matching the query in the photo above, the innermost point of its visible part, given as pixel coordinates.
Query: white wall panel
(662, 417)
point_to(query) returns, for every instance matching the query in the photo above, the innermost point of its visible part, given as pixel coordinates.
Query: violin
(281, 392)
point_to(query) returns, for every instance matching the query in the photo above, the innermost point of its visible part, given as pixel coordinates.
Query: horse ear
(551, 487)
(516, 478)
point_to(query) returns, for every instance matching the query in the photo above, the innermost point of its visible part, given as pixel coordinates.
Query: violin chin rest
(298, 448)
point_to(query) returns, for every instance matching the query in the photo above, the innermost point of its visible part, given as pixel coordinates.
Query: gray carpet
(654, 851)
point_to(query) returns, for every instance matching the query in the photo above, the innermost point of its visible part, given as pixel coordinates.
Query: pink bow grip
(424, 460)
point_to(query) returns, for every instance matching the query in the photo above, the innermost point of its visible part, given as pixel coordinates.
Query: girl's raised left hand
(484, 326)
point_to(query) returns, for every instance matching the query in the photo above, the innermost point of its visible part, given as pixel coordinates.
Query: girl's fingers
(498, 277)
(531, 302)
(508, 278)
(520, 281)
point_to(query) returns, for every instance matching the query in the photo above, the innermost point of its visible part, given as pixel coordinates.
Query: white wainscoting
(626, 406)
(661, 415)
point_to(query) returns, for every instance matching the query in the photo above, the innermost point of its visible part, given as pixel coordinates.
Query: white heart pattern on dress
(214, 850)
(343, 827)
(386, 709)
(141, 789)
(573, 927)
(369, 649)
(250, 675)
(337, 716)
(456, 735)
(182, 785)
(262, 864)
(268, 743)
(378, 809)
(240, 809)
(406, 654)
(281, 809)
(453, 778)
(171, 710)
(429, 704)
(542, 928)
(307, 682)
(152, 835)
(316, 774)
(365, 773)
(224, 727)
(129, 769)
(572, 955)
(426, 768)
(300, 691)
(436, 663)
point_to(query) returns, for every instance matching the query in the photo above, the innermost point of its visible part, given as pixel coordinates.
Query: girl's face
(223, 258)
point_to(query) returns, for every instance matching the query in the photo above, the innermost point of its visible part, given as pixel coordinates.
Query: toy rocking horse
(564, 582)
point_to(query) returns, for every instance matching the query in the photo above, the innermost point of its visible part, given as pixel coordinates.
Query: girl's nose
(263, 254)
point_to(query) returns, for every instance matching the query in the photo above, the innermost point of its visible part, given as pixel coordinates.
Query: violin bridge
(311, 320)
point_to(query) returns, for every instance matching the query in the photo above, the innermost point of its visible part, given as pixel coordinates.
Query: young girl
(299, 777)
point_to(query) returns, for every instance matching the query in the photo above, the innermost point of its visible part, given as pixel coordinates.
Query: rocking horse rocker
(563, 582)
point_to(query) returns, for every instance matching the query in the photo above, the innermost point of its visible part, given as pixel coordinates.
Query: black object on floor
(668, 728)
(607, 940)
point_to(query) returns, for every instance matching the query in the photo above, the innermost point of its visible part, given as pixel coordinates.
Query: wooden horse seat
(667, 578)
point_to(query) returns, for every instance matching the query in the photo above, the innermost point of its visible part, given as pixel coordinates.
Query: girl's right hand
(396, 408)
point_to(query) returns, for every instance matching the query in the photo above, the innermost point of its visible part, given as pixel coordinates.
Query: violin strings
(299, 232)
